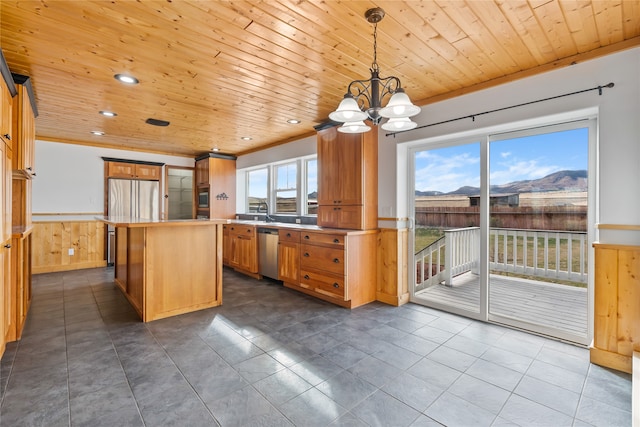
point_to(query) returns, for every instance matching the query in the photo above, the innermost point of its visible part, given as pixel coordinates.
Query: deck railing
(537, 253)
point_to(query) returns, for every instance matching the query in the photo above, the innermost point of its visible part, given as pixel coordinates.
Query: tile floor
(273, 357)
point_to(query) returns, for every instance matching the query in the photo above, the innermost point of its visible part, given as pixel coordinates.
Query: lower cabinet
(21, 279)
(337, 267)
(243, 248)
(226, 244)
(289, 256)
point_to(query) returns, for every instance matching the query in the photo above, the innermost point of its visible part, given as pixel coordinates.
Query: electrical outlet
(297, 220)
(255, 218)
(71, 251)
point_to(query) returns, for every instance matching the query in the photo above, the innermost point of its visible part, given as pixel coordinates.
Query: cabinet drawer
(289, 236)
(323, 283)
(242, 230)
(322, 258)
(336, 240)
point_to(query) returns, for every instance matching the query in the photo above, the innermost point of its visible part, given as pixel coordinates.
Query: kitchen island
(168, 267)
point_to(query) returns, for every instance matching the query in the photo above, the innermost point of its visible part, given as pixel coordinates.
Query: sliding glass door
(447, 228)
(538, 241)
(501, 227)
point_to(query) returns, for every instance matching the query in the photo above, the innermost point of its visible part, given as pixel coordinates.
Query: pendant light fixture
(363, 100)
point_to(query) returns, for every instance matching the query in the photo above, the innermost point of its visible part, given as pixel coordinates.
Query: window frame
(302, 177)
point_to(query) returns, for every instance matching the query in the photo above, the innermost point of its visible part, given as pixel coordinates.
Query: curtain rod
(473, 116)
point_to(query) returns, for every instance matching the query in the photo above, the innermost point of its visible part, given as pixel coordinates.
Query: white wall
(70, 178)
(618, 111)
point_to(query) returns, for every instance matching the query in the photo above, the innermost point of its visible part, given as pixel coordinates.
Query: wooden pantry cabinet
(19, 172)
(336, 266)
(347, 179)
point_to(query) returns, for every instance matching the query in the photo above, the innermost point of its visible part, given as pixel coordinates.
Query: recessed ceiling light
(97, 132)
(108, 113)
(124, 78)
(293, 121)
(246, 138)
(215, 149)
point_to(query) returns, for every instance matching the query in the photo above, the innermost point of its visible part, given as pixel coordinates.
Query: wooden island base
(166, 268)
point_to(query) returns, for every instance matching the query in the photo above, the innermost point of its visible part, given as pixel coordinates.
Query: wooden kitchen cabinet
(24, 129)
(6, 130)
(338, 267)
(347, 179)
(216, 176)
(289, 256)
(243, 248)
(226, 244)
(128, 170)
(21, 278)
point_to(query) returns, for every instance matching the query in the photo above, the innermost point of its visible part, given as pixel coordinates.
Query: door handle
(8, 246)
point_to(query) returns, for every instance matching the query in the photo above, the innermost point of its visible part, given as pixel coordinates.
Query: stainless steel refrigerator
(131, 198)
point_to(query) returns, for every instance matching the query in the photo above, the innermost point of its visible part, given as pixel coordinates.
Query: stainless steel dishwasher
(268, 252)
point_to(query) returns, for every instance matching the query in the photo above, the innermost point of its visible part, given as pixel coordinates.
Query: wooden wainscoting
(392, 266)
(53, 239)
(616, 333)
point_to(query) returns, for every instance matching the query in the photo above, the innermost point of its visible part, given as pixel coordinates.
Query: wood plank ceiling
(223, 70)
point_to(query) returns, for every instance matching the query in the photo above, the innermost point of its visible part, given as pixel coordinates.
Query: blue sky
(447, 169)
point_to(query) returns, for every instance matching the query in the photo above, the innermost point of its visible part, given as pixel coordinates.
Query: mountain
(575, 180)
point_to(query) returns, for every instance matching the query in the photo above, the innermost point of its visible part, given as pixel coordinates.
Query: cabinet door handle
(7, 137)
(336, 241)
(8, 246)
(335, 285)
(306, 237)
(288, 234)
(306, 254)
(336, 260)
(306, 276)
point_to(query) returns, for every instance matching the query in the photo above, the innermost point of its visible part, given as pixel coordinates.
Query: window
(312, 187)
(289, 188)
(257, 186)
(286, 192)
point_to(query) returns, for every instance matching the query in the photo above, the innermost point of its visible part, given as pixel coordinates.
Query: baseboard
(68, 267)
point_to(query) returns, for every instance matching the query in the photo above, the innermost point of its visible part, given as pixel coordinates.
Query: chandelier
(364, 98)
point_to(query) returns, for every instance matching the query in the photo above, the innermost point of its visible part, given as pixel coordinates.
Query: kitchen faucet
(266, 209)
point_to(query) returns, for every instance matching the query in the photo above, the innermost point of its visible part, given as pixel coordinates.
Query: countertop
(125, 221)
(301, 227)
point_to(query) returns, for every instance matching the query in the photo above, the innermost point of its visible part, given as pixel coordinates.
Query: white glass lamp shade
(348, 111)
(399, 124)
(399, 106)
(354, 127)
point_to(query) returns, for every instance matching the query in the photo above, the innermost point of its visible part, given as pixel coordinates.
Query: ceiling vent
(156, 122)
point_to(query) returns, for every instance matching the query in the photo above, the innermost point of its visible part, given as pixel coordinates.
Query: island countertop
(126, 221)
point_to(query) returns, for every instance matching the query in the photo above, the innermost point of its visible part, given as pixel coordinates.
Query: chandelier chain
(374, 65)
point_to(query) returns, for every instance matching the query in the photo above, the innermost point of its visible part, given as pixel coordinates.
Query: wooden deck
(546, 304)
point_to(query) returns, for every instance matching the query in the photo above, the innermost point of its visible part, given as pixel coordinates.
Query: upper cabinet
(216, 177)
(24, 129)
(132, 170)
(5, 118)
(348, 179)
